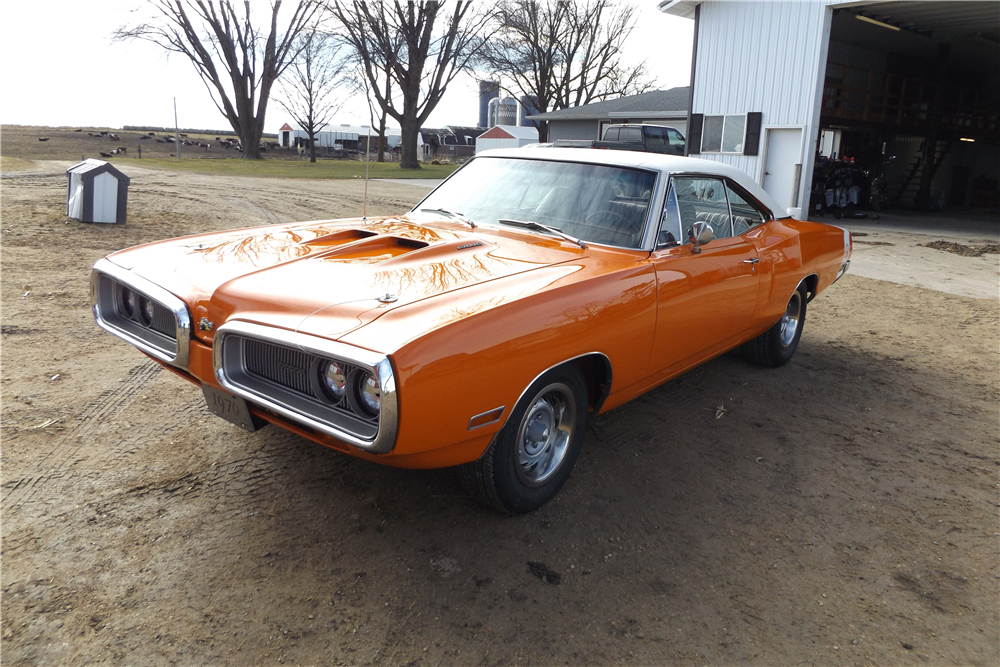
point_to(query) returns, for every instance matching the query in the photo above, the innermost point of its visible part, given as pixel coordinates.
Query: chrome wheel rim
(545, 433)
(789, 324)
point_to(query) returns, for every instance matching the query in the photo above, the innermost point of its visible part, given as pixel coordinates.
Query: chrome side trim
(600, 399)
(179, 357)
(379, 364)
(500, 410)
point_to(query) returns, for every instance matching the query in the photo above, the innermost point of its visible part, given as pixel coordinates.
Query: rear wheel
(776, 346)
(532, 456)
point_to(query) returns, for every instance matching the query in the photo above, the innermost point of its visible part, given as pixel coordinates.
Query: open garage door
(910, 105)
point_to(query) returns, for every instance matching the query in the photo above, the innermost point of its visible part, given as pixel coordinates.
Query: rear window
(631, 135)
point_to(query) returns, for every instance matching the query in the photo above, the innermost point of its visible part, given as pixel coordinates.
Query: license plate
(231, 408)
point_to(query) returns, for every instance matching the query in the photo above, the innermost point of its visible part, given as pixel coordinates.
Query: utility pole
(177, 132)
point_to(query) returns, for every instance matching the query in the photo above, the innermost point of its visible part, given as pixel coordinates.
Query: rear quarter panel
(791, 250)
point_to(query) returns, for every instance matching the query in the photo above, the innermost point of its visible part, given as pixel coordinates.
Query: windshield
(594, 203)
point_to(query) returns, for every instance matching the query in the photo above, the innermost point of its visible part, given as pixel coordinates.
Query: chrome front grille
(283, 365)
(164, 321)
(165, 335)
(283, 371)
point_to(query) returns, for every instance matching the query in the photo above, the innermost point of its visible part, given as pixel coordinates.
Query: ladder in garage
(909, 188)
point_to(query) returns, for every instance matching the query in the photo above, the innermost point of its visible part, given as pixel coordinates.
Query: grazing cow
(184, 135)
(122, 150)
(145, 136)
(43, 138)
(104, 134)
(114, 137)
(93, 134)
(78, 130)
(105, 154)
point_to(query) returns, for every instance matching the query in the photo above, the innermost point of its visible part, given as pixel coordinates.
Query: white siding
(105, 198)
(767, 57)
(488, 144)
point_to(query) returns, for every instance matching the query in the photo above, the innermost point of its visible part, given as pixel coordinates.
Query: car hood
(329, 278)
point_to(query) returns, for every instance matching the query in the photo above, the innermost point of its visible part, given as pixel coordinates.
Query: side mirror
(699, 234)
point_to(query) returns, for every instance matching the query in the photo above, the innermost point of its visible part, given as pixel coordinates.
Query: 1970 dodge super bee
(530, 290)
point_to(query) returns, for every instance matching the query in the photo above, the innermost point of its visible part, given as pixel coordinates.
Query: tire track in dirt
(268, 215)
(54, 464)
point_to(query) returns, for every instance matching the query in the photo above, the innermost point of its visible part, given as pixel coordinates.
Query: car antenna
(368, 149)
(368, 157)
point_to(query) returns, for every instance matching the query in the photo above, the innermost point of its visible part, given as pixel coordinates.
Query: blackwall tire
(533, 455)
(776, 346)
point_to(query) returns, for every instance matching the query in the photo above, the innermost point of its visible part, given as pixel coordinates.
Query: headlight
(145, 310)
(334, 380)
(130, 300)
(370, 393)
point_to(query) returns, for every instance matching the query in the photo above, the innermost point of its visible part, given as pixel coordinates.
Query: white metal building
(506, 136)
(778, 88)
(340, 136)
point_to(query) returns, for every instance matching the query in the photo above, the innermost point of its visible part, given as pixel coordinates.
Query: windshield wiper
(531, 224)
(450, 214)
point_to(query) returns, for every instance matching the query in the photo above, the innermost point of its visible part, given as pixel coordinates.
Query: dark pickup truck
(647, 138)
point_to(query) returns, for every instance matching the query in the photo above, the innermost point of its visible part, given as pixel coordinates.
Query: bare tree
(309, 85)
(563, 53)
(237, 61)
(420, 56)
(377, 114)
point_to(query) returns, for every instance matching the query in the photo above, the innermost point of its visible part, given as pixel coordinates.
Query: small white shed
(506, 136)
(96, 192)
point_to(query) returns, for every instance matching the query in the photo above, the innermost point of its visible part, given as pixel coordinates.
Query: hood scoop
(341, 237)
(372, 251)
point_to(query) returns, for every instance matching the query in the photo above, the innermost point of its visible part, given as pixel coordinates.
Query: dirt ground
(842, 509)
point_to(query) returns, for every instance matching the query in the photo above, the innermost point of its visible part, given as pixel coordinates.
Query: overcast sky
(60, 68)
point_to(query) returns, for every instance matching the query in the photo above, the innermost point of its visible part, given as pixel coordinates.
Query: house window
(723, 134)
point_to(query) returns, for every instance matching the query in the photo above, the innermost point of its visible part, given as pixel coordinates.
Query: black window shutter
(694, 134)
(752, 144)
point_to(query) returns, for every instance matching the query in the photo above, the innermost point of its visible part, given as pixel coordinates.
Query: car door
(704, 299)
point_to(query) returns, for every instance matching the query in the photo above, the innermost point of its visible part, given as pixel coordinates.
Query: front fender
(478, 349)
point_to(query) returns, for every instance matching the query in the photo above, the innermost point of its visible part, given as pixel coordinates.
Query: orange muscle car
(530, 290)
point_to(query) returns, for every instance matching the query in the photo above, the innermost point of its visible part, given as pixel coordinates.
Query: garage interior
(910, 109)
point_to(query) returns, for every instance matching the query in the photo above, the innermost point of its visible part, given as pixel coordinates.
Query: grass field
(8, 163)
(19, 143)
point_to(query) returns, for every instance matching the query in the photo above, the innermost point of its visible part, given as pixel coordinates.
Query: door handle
(755, 260)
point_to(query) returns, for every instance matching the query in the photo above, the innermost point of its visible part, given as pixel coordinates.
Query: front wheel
(776, 346)
(532, 456)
